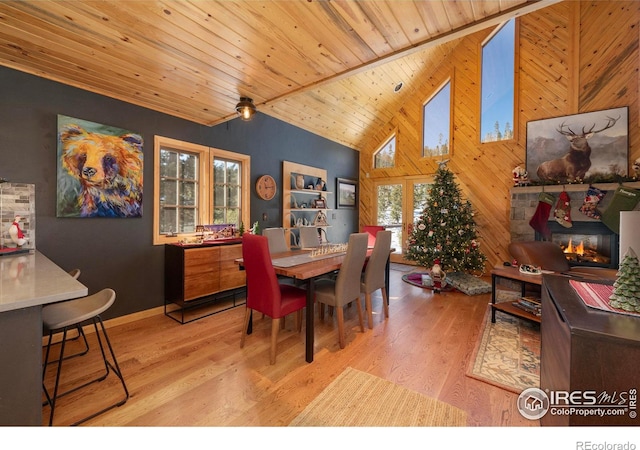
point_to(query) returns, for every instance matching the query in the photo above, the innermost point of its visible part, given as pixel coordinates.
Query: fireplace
(586, 243)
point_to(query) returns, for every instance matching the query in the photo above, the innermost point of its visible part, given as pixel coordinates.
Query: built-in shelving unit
(304, 200)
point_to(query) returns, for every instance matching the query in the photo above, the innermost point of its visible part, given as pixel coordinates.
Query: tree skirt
(462, 282)
(415, 278)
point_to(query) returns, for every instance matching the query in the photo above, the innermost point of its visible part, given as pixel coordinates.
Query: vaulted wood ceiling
(329, 67)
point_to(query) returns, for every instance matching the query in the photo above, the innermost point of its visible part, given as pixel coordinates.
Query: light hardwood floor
(197, 375)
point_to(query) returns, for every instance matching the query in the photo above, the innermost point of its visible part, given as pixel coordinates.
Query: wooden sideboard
(584, 349)
(193, 273)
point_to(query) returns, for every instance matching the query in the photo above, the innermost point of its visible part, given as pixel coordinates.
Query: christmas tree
(626, 288)
(445, 230)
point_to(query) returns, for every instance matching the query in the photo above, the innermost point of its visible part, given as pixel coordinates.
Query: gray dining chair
(309, 237)
(374, 274)
(276, 239)
(345, 289)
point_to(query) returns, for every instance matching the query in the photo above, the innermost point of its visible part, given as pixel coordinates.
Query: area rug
(507, 354)
(359, 399)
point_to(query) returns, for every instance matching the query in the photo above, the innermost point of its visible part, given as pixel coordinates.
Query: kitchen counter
(27, 281)
(32, 279)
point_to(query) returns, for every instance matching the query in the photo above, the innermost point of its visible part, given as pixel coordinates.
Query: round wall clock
(266, 187)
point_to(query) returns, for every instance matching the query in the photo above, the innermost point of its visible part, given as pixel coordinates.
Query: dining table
(308, 266)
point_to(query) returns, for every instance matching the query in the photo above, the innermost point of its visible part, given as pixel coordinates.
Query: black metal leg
(310, 313)
(493, 298)
(387, 267)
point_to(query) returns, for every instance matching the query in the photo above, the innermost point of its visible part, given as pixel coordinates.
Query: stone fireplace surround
(524, 202)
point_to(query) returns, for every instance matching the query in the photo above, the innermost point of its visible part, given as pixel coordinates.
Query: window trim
(205, 174)
(438, 89)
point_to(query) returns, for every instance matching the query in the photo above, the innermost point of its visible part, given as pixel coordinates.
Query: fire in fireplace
(586, 243)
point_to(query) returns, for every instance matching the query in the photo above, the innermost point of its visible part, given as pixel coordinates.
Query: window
(436, 123)
(386, 155)
(498, 84)
(197, 185)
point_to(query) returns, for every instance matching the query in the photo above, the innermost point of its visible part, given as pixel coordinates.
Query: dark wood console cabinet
(584, 349)
(196, 272)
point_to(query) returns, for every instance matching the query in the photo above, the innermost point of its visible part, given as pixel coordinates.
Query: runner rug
(507, 354)
(359, 399)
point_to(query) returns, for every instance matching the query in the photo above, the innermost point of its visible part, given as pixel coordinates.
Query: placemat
(596, 295)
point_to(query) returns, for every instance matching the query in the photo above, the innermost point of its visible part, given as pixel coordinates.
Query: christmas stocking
(563, 210)
(540, 218)
(590, 203)
(624, 199)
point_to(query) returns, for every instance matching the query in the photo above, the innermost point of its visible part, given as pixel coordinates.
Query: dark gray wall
(118, 253)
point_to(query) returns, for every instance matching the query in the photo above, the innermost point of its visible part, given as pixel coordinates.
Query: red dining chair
(264, 293)
(372, 230)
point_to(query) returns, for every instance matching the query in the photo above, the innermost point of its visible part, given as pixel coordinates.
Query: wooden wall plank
(550, 85)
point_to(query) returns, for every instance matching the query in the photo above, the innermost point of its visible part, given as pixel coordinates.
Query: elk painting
(583, 148)
(99, 170)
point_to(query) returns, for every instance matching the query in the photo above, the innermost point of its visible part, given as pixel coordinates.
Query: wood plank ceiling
(329, 67)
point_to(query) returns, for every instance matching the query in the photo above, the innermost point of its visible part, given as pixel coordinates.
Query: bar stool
(75, 273)
(63, 316)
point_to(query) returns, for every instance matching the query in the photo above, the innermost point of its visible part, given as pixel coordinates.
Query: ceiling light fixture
(245, 108)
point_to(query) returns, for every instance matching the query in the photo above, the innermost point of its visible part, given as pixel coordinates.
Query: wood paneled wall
(572, 57)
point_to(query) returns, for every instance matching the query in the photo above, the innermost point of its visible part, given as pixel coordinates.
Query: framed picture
(320, 203)
(347, 193)
(100, 170)
(582, 148)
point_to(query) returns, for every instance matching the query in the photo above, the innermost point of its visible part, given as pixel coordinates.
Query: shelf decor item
(319, 203)
(299, 181)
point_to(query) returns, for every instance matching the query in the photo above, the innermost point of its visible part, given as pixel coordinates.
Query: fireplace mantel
(572, 187)
(524, 201)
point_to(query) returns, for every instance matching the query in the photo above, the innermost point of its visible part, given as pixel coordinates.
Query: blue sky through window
(436, 119)
(498, 59)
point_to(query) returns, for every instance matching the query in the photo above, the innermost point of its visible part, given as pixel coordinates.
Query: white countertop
(31, 279)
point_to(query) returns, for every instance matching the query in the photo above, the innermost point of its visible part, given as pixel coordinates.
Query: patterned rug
(359, 399)
(507, 354)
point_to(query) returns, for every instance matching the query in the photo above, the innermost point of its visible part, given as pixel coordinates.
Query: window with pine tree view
(178, 191)
(437, 123)
(197, 185)
(226, 191)
(497, 85)
(386, 155)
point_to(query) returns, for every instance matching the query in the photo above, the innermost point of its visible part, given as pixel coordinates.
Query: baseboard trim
(116, 321)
